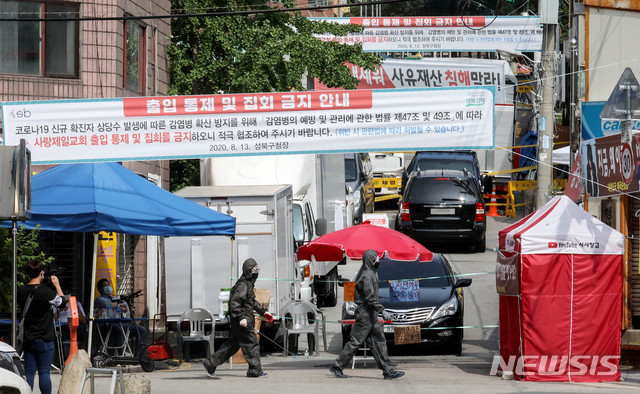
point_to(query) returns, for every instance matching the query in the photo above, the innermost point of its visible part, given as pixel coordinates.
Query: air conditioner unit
(15, 182)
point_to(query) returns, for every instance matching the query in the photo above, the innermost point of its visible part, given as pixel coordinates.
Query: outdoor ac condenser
(15, 182)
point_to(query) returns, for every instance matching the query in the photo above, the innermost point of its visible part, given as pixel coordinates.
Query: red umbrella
(353, 241)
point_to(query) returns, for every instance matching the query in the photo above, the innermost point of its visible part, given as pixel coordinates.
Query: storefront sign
(609, 166)
(172, 127)
(442, 33)
(593, 126)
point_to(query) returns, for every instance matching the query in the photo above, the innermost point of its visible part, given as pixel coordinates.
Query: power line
(199, 15)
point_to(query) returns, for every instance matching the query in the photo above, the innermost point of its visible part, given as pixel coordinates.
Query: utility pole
(549, 19)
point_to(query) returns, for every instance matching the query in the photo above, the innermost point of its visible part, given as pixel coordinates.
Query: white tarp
(170, 127)
(562, 227)
(442, 33)
(562, 155)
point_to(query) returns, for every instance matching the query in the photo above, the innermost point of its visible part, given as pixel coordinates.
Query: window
(48, 48)
(134, 63)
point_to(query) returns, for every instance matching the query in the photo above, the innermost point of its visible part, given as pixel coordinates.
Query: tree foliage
(184, 172)
(27, 249)
(267, 52)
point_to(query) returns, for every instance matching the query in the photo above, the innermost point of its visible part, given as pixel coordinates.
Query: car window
(430, 273)
(298, 225)
(350, 170)
(310, 220)
(429, 189)
(447, 164)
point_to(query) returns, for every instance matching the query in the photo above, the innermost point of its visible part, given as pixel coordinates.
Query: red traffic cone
(493, 209)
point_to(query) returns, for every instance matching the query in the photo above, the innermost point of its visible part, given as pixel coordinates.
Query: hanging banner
(572, 190)
(106, 258)
(430, 73)
(442, 33)
(173, 127)
(609, 166)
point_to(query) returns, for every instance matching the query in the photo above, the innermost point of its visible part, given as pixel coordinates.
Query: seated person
(62, 315)
(107, 302)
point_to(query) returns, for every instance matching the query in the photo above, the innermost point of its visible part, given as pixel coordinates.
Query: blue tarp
(96, 197)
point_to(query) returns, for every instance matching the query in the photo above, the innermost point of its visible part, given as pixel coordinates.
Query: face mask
(376, 264)
(254, 272)
(107, 290)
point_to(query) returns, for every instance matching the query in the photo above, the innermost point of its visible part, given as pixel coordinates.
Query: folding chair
(199, 319)
(302, 317)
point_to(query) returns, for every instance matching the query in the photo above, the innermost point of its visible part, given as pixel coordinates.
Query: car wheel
(457, 346)
(481, 245)
(332, 298)
(146, 363)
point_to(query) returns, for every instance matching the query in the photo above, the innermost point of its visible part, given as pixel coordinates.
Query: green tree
(268, 52)
(184, 172)
(27, 249)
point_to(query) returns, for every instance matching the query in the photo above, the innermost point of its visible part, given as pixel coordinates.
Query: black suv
(437, 305)
(462, 160)
(443, 206)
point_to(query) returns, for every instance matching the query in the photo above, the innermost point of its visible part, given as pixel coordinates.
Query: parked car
(439, 301)
(461, 160)
(12, 378)
(358, 178)
(443, 206)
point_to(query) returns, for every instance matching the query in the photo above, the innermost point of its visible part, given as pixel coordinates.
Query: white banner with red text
(172, 127)
(442, 33)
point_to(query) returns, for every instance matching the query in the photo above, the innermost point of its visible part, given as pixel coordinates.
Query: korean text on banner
(442, 33)
(139, 128)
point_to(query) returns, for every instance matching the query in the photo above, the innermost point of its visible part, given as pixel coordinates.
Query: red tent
(559, 276)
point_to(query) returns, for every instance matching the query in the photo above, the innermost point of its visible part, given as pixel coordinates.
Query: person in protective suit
(242, 303)
(367, 327)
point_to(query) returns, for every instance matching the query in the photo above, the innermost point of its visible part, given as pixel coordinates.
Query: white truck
(387, 174)
(199, 268)
(319, 201)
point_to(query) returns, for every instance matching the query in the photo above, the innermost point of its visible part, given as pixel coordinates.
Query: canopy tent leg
(93, 291)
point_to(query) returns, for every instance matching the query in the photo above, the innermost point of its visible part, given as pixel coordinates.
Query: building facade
(88, 50)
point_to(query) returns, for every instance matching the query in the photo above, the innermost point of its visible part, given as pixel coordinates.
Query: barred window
(42, 48)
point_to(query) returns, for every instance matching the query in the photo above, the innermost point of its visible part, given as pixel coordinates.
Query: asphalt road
(426, 370)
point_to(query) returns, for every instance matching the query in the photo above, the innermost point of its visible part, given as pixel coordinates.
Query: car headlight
(350, 307)
(7, 362)
(356, 198)
(447, 309)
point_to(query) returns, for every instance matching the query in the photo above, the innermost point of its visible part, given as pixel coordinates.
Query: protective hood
(247, 266)
(369, 259)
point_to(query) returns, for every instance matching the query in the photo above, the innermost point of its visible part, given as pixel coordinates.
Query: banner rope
(381, 281)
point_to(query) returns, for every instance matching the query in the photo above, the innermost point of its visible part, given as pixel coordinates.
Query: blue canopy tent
(94, 197)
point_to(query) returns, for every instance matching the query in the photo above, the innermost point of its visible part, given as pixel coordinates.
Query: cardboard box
(238, 358)
(263, 296)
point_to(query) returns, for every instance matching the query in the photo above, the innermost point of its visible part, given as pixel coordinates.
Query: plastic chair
(198, 319)
(302, 317)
